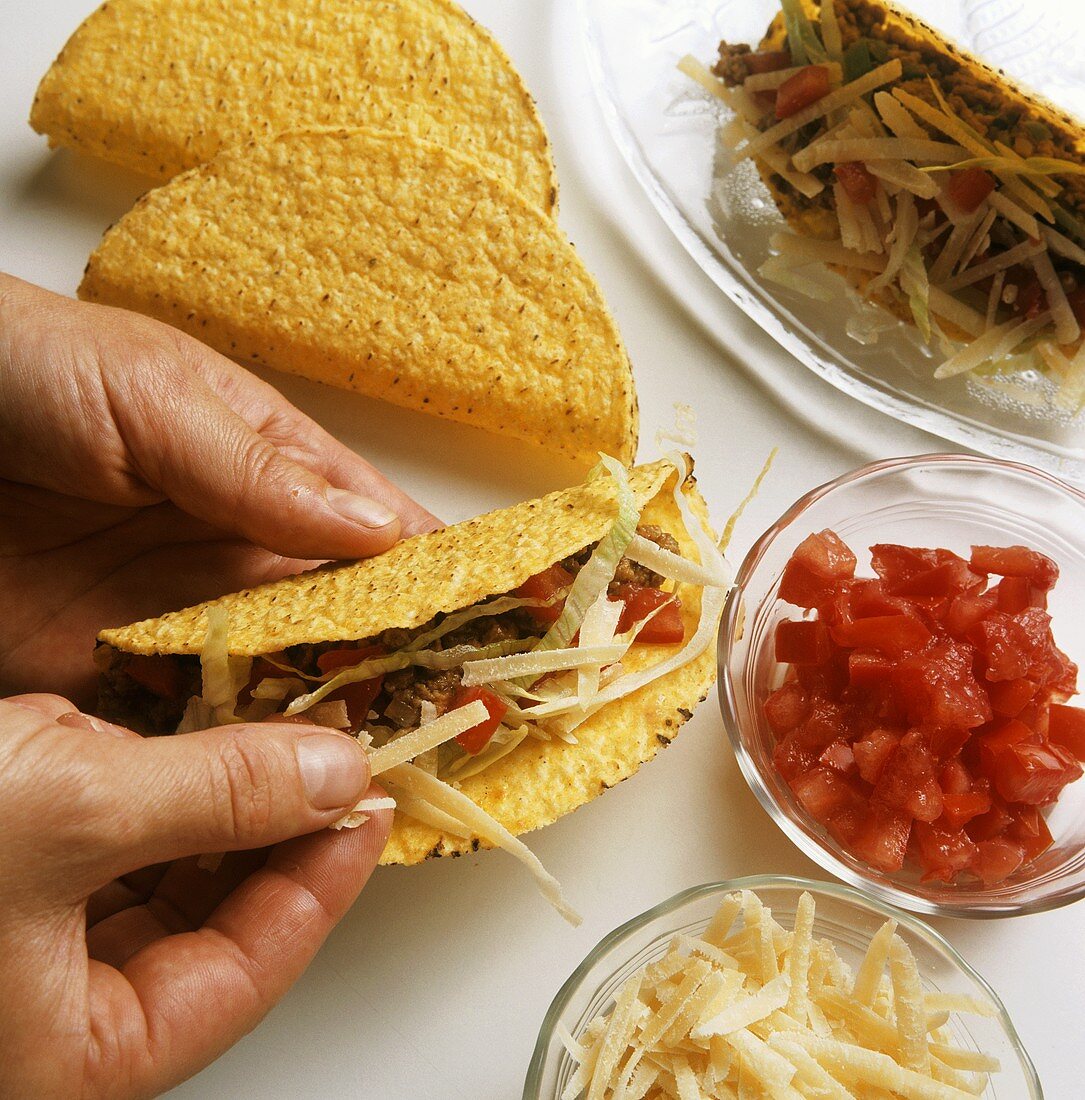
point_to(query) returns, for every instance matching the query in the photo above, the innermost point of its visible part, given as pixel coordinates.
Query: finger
(224, 789)
(249, 952)
(190, 444)
(181, 901)
(124, 892)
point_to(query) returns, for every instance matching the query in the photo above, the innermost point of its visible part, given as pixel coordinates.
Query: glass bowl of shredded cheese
(782, 987)
(956, 505)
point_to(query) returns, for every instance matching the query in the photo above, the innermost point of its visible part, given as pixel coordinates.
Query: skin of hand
(125, 967)
(139, 472)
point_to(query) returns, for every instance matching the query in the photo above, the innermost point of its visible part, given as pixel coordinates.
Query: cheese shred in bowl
(750, 1008)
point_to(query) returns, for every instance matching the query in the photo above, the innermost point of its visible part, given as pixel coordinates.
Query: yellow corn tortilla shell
(160, 86)
(452, 569)
(386, 265)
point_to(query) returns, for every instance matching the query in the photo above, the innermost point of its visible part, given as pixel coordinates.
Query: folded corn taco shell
(452, 569)
(159, 86)
(386, 265)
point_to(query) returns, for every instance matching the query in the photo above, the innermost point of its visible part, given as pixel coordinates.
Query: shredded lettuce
(597, 574)
(222, 676)
(1026, 166)
(913, 281)
(802, 38)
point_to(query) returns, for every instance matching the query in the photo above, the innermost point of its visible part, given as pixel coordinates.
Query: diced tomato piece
(477, 737)
(942, 852)
(859, 185)
(1014, 594)
(894, 635)
(839, 757)
(968, 188)
(802, 642)
(947, 741)
(1066, 728)
(995, 739)
(959, 809)
(359, 697)
(767, 61)
(868, 670)
(917, 572)
(938, 688)
(882, 839)
(807, 86)
(955, 778)
(793, 756)
(787, 707)
(546, 585)
(159, 674)
(993, 823)
(1033, 774)
(872, 751)
(1016, 561)
(820, 562)
(967, 611)
(1010, 697)
(1028, 827)
(907, 781)
(869, 599)
(665, 627)
(823, 791)
(997, 859)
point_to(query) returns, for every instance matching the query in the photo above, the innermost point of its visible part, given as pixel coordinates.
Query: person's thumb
(226, 789)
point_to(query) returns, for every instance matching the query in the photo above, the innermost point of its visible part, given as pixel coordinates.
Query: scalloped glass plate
(667, 131)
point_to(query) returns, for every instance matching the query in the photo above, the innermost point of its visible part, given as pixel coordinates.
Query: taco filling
(936, 189)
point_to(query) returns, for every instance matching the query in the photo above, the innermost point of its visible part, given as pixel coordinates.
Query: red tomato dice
(477, 737)
(547, 585)
(1028, 828)
(859, 185)
(1010, 697)
(938, 688)
(894, 635)
(907, 781)
(807, 86)
(787, 707)
(1066, 728)
(882, 838)
(1016, 561)
(359, 697)
(1014, 594)
(816, 569)
(665, 627)
(160, 675)
(802, 642)
(943, 852)
(1033, 774)
(872, 751)
(959, 809)
(997, 859)
(968, 188)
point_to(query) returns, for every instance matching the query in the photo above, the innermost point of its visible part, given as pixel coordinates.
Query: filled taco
(502, 672)
(945, 192)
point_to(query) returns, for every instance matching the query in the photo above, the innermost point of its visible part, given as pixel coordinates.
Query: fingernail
(359, 509)
(333, 770)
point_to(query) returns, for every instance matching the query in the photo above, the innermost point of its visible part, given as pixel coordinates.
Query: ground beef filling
(124, 699)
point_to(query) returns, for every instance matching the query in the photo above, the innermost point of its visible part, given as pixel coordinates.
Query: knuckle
(242, 789)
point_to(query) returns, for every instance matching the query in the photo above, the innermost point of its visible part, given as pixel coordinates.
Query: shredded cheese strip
(777, 270)
(952, 309)
(360, 814)
(673, 566)
(959, 236)
(810, 250)
(1020, 253)
(775, 158)
(767, 82)
(427, 737)
(864, 149)
(856, 89)
(896, 117)
(993, 344)
(1013, 213)
(1067, 330)
(417, 784)
(1061, 245)
(902, 238)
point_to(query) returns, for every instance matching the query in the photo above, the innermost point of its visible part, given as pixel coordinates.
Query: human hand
(140, 472)
(119, 984)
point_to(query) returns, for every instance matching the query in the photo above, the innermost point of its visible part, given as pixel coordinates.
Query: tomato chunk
(815, 569)
(1033, 774)
(359, 697)
(799, 642)
(477, 737)
(665, 627)
(787, 707)
(1067, 728)
(969, 187)
(1016, 561)
(807, 86)
(160, 675)
(859, 185)
(546, 585)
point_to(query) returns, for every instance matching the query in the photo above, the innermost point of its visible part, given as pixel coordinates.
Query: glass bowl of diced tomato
(899, 674)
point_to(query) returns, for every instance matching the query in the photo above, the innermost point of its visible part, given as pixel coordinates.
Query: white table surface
(434, 985)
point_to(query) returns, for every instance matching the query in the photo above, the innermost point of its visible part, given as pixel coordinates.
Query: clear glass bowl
(929, 500)
(843, 915)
